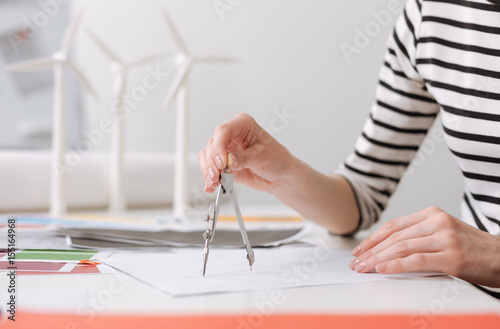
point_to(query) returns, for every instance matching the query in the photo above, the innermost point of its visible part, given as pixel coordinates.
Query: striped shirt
(443, 57)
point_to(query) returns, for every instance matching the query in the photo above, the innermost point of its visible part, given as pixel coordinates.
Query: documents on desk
(284, 263)
(179, 273)
(133, 239)
(95, 232)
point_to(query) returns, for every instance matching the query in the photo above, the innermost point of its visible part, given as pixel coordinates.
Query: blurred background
(307, 73)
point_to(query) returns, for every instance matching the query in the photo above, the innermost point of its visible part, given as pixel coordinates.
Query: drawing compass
(225, 186)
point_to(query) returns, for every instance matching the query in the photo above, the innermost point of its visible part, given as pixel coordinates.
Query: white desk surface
(118, 293)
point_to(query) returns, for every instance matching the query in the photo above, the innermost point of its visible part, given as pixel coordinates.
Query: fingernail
(218, 162)
(381, 268)
(360, 267)
(211, 174)
(353, 263)
(206, 186)
(356, 251)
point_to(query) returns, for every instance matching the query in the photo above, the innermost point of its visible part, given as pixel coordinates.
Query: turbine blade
(215, 59)
(148, 59)
(176, 84)
(33, 65)
(175, 33)
(84, 81)
(104, 48)
(69, 36)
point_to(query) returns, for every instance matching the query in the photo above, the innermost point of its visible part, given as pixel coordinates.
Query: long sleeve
(399, 120)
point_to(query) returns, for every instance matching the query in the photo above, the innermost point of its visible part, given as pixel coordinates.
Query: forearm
(257, 160)
(328, 200)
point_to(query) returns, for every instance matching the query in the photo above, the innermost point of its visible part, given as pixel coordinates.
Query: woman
(443, 57)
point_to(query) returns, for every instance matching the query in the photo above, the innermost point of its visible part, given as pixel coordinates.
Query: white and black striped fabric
(443, 57)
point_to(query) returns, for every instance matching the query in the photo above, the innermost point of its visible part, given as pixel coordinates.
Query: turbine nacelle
(117, 67)
(182, 59)
(60, 57)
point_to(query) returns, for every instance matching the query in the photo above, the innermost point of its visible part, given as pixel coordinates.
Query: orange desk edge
(30, 320)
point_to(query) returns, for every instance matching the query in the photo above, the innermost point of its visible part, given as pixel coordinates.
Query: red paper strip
(32, 266)
(76, 270)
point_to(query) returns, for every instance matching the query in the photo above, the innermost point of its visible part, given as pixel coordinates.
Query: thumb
(251, 158)
(243, 159)
(235, 161)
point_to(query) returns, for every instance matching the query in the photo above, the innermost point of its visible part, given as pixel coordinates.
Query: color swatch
(54, 255)
(47, 261)
(38, 266)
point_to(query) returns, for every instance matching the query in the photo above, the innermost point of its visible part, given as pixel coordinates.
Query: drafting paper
(179, 273)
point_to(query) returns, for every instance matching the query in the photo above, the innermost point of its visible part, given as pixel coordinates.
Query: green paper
(74, 255)
(60, 251)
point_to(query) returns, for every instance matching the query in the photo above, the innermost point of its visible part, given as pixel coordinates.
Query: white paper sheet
(179, 273)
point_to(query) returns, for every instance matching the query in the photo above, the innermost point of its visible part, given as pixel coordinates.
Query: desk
(95, 301)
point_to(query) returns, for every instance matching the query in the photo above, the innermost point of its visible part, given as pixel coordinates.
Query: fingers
(389, 228)
(418, 238)
(214, 158)
(204, 171)
(211, 167)
(413, 232)
(431, 240)
(400, 250)
(240, 144)
(412, 263)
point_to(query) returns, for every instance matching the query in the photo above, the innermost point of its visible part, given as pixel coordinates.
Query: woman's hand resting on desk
(251, 154)
(431, 240)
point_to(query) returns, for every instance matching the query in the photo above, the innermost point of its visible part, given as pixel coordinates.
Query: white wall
(290, 57)
(26, 97)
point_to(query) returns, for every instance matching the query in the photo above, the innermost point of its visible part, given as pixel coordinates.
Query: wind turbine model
(180, 91)
(121, 70)
(60, 62)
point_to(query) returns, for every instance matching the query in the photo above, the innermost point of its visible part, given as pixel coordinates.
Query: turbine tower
(180, 91)
(121, 71)
(61, 62)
